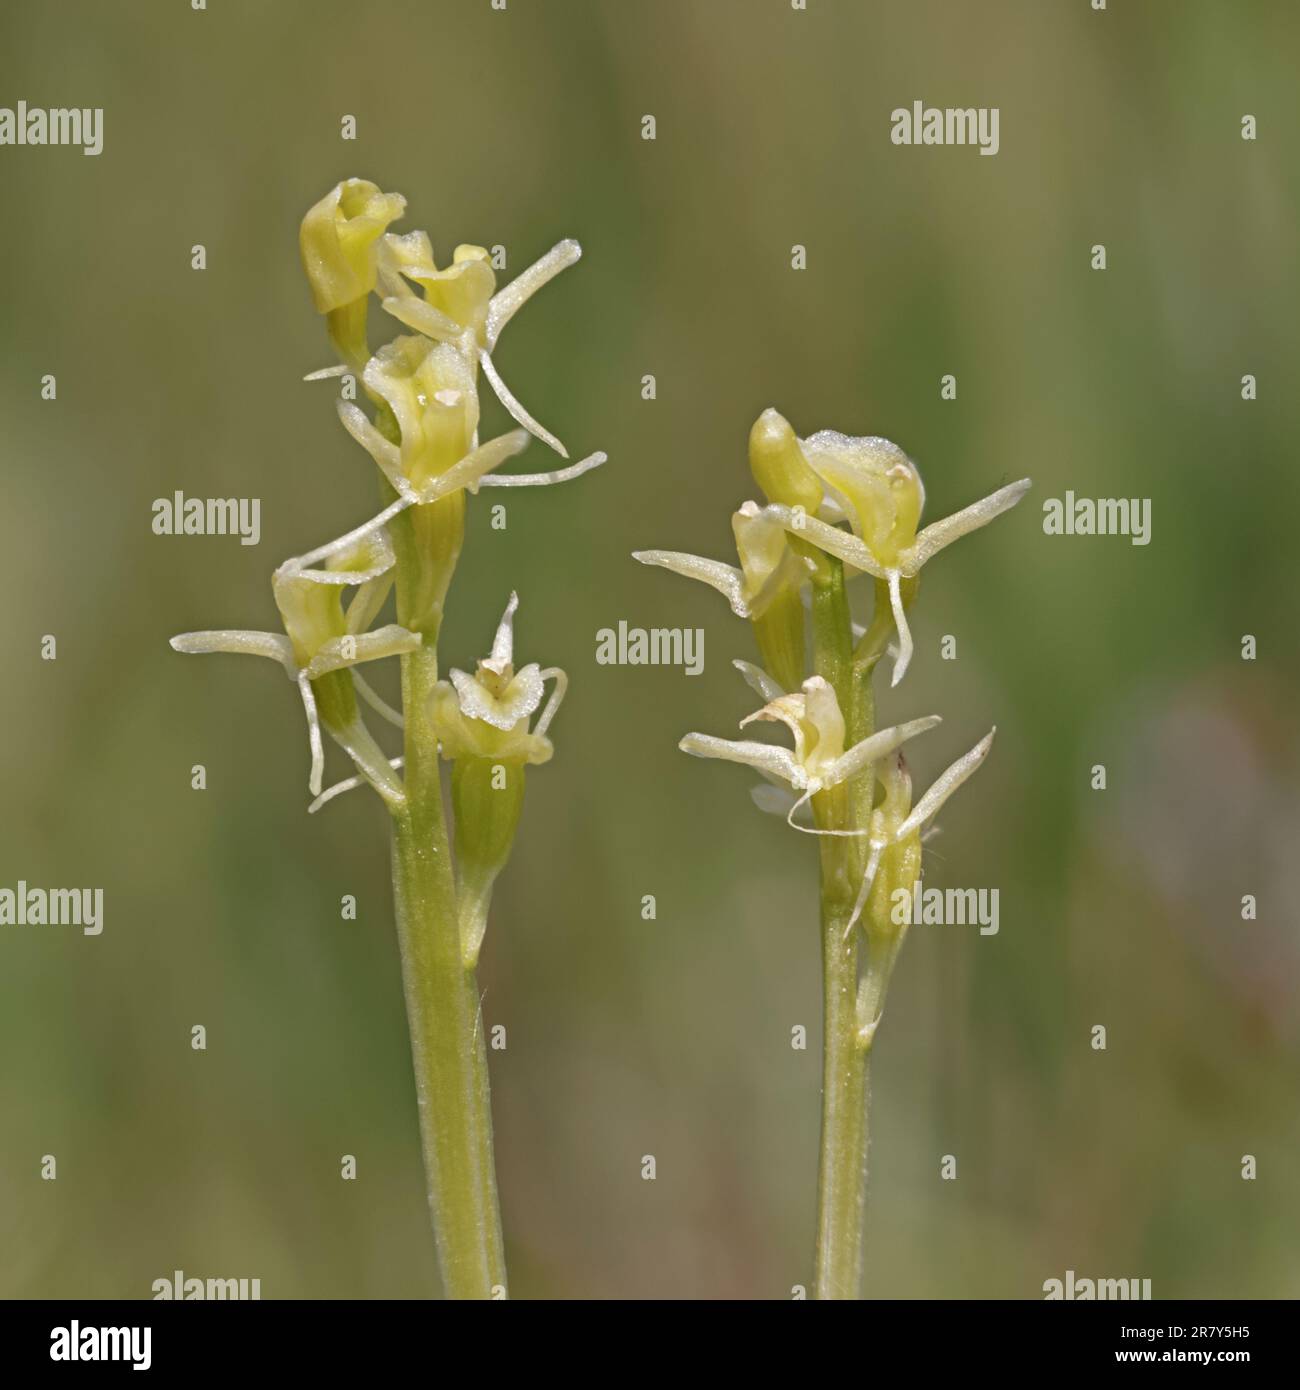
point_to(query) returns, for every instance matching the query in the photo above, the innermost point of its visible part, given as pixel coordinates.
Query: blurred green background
(669, 1037)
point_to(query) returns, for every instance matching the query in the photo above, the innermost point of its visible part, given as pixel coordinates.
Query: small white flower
(819, 759)
(487, 714)
(871, 484)
(322, 638)
(767, 564)
(460, 307)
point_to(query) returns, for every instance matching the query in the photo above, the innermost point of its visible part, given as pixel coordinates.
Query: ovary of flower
(767, 564)
(487, 714)
(430, 390)
(460, 307)
(875, 487)
(322, 637)
(896, 821)
(819, 760)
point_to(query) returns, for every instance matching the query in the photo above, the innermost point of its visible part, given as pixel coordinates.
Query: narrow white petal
(313, 735)
(561, 686)
(391, 640)
(503, 644)
(945, 784)
(369, 598)
(424, 318)
(868, 878)
(385, 453)
(759, 681)
(516, 409)
(348, 784)
(507, 302)
(904, 658)
(871, 750)
(942, 533)
(371, 761)
(270, 644)
(833, 541)
(376, 701)
(558, 475)
(766, 757)
(326, 372)
(774, 801)
(470, 472)
(384, 558)
(726, 579)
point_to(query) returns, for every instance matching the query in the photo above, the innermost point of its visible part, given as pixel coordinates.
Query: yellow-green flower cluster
(836, 507)
(422, 431)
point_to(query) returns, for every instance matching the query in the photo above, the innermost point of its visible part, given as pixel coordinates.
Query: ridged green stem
(448, 1048)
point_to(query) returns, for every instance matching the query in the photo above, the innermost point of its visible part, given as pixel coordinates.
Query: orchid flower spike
(897, 828)
(815, 484)
(322, 641)
(765, 588)
(461, 304)
(483, 726)
(338, 241)
(819, 760)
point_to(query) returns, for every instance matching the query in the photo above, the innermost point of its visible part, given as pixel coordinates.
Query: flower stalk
(838, 508)
(422, 432)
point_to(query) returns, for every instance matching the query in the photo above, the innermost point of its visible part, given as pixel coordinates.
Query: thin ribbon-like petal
(348, 784)
(872, 749)
(766, 757)
(945, 784)
(833, 541)
(759, 681)
(416, 313)
(391, 640)
(376, 701)
(270, 644)
(726, 579)
(507, 302)
(558, 690)
(558, 475)
(384, 452)
(939, 534)
(904, 657)
(515, 407)
(313, 734)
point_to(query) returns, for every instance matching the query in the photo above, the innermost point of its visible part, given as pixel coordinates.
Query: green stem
(448, 1048)
(842, 1171)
